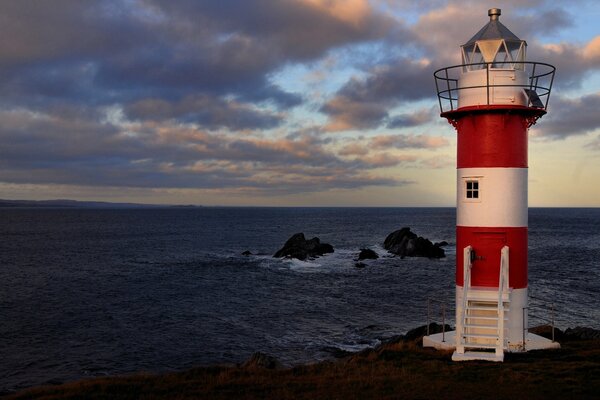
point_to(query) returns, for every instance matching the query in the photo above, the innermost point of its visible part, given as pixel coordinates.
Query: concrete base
(446, 341)
(441, 341)
(477, 356)
(536, 342)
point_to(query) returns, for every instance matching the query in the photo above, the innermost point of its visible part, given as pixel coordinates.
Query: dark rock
(418, 333)
(261, 360)
(360, 265)
(405, 243)
(298, 247)
(367, 254)
(441, 244)
(394, 339)
(337, 352)
(546, 331)
(247, 253)
(582, 333)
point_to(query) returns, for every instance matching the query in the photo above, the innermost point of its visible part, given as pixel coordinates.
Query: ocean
(94, 292)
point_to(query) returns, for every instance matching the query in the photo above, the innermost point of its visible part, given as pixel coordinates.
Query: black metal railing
(437, 310)
(539, 312)
(537, 90)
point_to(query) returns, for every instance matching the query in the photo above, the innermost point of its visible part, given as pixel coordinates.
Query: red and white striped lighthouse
(492, 99)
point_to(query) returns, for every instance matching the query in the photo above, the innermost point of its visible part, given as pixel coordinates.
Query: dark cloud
(230, 47)
(103, 53)
(569, 117)
(293, 30)
(364, 103)
(209, 112)
(409, 120)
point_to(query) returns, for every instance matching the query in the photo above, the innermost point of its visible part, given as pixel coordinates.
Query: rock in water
(367, 254)
(405, 243)
(298, 247)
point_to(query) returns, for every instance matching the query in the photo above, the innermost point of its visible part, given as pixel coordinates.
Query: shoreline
(398, 368)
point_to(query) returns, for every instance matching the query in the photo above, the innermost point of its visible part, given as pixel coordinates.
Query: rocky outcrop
(262, 360)
(577, 333)
(416, 334)
(405, 243)
(367, 254)
(298, 247)
(582, 333)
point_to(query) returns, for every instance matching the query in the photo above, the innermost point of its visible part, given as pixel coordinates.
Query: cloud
(574, 62)
(62, 149)
(206, 111)
(569, 117)
(346, 114)
(441, 35)
(381, 160)
(594, 144)
(125, 51)
(364, 103)
(408, 142)
(358, 148)
(409, 120)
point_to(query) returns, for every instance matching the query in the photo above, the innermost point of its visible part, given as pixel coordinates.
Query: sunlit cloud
(409, 141)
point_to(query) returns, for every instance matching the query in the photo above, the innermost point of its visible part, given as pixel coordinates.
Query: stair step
(484, 318)
(477, 355)
(483, 308)
(479, 297)
(479, 345)
(480, 335)
(481, 326)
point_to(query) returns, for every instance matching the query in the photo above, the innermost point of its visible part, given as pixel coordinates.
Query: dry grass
(402, 370)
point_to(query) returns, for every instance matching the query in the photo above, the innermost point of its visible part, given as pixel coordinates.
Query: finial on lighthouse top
(494, 13)
(494, 43)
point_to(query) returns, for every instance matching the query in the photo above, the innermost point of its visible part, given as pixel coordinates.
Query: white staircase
(480, 327)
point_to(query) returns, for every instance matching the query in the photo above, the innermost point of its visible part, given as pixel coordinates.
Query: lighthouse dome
(494, 44)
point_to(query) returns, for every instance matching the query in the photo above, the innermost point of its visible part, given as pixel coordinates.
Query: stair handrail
(503, 285)
(467, 265)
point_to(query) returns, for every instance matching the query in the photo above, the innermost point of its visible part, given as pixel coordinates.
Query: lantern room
(494, 44)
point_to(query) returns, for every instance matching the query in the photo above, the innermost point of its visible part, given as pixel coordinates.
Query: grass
(402, 370)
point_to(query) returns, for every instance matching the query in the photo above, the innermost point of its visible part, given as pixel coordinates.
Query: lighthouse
(492, 99)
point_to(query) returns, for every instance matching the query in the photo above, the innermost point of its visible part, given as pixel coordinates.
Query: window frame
(472, 187)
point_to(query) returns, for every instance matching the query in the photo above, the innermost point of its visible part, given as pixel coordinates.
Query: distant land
(65, 203)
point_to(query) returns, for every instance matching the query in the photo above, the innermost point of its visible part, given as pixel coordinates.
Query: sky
(274, 102)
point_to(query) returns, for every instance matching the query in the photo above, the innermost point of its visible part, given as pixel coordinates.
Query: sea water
(92, 292)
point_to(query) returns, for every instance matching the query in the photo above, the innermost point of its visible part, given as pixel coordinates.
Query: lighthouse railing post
(487, 82)
(449, 90)
(549, 89)
(428, 315)
(502, 291)
(552, 318)
(525, 328)
(444, 322)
